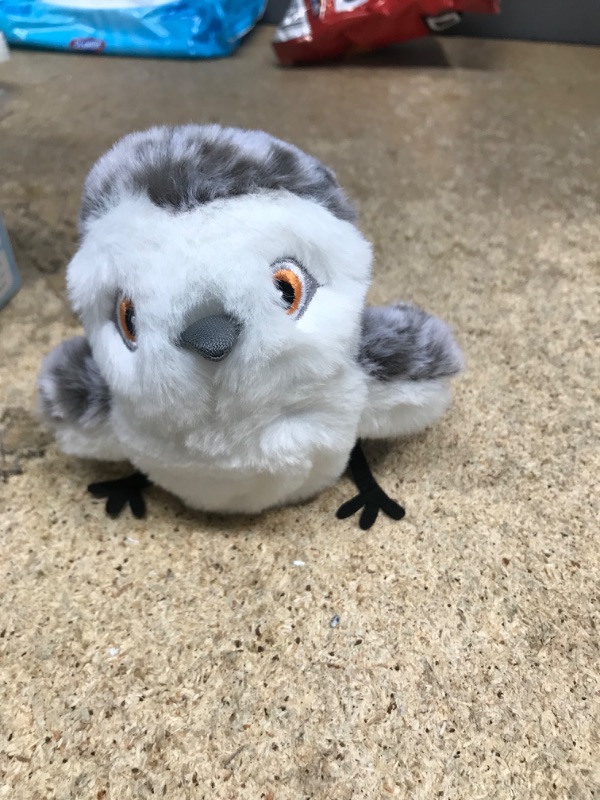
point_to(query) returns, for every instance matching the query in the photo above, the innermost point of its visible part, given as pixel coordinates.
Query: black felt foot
(122, 491)
(371, 497)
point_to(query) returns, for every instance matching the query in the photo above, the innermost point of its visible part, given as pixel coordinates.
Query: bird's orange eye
(127, 321)
(289, 285)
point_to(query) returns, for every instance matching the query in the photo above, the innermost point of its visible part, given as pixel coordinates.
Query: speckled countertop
(188, 656)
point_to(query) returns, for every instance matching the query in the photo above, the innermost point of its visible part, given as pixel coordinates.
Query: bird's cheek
(266, 339)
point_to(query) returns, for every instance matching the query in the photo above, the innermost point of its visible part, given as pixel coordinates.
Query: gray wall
(576, 21)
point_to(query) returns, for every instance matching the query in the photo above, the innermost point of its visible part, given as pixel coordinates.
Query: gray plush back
(180, 168)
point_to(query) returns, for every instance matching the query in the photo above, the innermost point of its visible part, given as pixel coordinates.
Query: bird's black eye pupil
(288, 293)
(130, 321)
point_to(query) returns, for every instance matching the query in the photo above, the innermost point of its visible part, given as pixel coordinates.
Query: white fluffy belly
(236, 491)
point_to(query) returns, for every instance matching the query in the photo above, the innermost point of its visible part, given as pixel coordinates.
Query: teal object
(175, 28)
(10, 281)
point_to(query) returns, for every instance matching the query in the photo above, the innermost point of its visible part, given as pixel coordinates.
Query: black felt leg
(122, 491)
(371, 497)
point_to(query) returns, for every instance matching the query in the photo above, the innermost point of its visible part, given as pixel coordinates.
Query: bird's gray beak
(212, 337)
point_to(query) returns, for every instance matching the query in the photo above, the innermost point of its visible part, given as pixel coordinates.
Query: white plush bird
(229, 355)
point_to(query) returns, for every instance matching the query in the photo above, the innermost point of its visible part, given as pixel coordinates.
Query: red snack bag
(315, 30)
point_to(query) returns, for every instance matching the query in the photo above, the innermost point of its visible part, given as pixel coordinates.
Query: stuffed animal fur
(228, 353)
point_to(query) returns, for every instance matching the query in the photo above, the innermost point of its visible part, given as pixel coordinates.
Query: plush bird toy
(229, 355)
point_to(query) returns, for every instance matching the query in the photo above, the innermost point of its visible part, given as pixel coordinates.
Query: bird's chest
(248, 468)
(245, 456)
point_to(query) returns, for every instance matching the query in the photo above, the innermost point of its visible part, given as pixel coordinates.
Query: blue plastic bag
(171, 28)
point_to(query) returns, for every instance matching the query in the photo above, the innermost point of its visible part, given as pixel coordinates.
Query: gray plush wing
(71, 388)
(75, 401)
(404, 342)
(409, 357)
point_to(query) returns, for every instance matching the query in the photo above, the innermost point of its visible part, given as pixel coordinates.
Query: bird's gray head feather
(180, 168)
